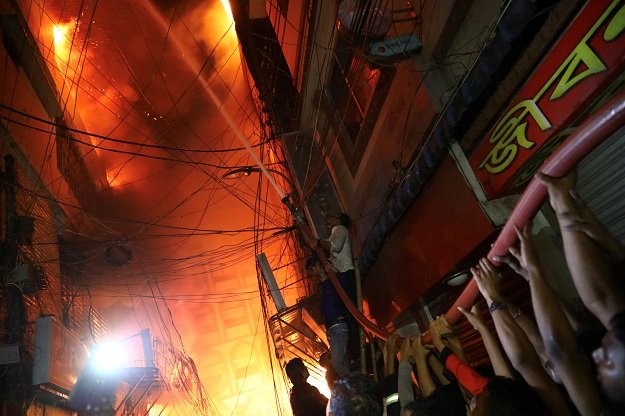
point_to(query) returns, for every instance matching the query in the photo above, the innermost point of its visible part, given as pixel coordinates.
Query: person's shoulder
(340, 229)
(303, 388)
(312, 388)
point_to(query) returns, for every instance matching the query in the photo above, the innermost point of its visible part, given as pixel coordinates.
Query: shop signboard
(583, 68)
(396, 47)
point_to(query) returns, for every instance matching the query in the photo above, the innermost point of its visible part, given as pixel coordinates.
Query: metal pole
(374, 367)
(270, 279)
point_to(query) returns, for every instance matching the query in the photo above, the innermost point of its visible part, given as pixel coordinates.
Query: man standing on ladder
(341, 327)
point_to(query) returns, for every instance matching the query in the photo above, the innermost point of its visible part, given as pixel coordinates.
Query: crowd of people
(542, 363)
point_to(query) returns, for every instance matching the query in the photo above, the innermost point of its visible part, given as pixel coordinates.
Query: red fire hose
(590, 134)
(366, 324)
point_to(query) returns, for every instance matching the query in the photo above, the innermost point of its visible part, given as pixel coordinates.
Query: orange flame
(62, 41)
(65, 69)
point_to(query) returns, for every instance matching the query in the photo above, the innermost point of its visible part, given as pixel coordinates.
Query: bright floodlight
(108, 357)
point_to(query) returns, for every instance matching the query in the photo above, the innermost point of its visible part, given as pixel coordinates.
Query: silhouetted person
(306, 400)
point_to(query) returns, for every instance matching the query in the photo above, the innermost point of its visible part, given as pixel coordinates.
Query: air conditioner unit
(9, 354)
(21, 274)
(29, 277)
(59, 356)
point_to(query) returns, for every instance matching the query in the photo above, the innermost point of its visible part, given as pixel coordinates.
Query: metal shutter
(601, 183)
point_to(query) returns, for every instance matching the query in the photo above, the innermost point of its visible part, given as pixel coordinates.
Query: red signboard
(581, 69)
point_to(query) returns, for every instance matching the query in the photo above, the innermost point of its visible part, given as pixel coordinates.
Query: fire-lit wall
(436, 233)
(397, 123)
(34, 273)
(227, 338)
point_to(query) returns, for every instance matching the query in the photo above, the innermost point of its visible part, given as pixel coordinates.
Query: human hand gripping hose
(589, 135)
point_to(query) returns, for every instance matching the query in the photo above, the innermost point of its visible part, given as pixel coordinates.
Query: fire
(59, 35)
(156, 410)
(62, 41)
(226, 6)
(66, 65)
(322, 385)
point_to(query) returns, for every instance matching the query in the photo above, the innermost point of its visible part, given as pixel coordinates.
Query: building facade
(428, 145)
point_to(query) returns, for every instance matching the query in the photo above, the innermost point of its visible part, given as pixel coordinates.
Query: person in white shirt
(341, 327)
(340, 245)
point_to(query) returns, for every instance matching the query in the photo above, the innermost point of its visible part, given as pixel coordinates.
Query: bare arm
(557, 334)
(583, 220)
(426, 383)
(324, 244)
(467, 377)
(516, 344)
(405, 388)
(389, 352)
(454, 344)
(527, 325)
(585, 248)
(437, 368)
(497, 359)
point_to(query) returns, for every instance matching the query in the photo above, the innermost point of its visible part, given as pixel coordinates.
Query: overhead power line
(111, 139)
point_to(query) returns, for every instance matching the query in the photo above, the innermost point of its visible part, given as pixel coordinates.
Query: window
(355, 95)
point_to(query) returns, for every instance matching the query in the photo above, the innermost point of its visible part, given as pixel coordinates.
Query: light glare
(226, 6)
(108, 357)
